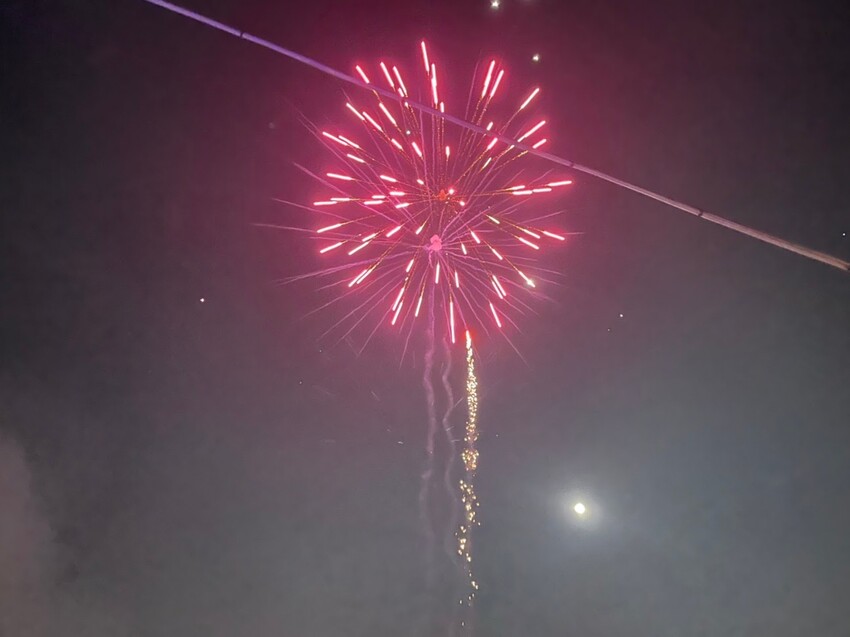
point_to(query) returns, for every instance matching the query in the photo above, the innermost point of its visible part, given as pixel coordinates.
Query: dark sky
(170, 467)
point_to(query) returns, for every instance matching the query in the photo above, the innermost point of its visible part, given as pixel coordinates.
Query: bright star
(494, 4)
(579, 508)
(535, 57)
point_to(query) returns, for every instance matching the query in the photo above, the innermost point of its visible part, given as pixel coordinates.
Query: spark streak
(529, 98)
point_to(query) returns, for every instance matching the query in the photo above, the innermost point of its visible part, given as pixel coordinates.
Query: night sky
(177, 467)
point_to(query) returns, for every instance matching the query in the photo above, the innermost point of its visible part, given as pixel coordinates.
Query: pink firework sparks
(417, 211)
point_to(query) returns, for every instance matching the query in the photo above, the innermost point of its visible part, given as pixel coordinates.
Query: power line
(790, 246)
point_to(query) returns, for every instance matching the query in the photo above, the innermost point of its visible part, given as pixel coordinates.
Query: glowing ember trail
(467, 484)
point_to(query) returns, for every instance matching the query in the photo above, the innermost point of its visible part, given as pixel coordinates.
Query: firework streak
(414, 209)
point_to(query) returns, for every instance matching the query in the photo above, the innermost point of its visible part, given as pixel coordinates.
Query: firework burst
(413, 209)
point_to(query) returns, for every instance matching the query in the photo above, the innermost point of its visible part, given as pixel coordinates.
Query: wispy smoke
(34, 602)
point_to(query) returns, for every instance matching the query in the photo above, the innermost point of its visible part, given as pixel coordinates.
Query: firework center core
(436, 244)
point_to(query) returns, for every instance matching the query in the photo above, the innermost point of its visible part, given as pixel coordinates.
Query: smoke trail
(449, 539)
(428, 472)
(451, 491)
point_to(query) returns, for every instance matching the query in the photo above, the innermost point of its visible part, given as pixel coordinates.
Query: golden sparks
(470, 465)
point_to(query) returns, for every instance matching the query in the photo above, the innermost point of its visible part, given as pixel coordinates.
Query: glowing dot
(535, 57)
(621, 315)
(579, 508)
(494, 4)
(203, 300)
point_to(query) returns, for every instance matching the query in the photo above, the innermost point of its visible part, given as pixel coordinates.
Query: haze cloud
(25, 549)
(35, 599)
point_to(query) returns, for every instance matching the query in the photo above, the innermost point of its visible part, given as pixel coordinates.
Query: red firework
(421, 213)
